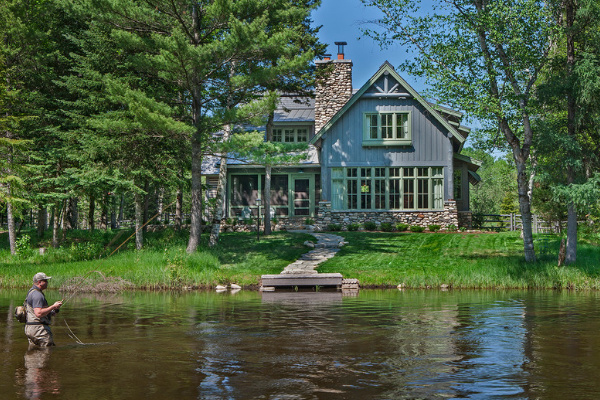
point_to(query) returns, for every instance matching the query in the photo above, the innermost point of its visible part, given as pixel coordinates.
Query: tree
(569, 144)
(484, 57)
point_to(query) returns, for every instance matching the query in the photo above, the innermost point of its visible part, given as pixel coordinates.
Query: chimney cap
(340, 43)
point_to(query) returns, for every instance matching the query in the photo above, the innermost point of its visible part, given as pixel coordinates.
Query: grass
(163, 263)
(376, 259)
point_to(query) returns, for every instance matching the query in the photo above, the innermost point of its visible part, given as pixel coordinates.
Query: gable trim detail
(388, 68)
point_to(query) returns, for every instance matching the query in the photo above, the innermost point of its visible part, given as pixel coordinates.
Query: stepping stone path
(326, 247)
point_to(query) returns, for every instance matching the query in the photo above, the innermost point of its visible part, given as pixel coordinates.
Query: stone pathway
(326, 247)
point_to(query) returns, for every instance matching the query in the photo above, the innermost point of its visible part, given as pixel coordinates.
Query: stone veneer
(332, 91)
(326, 216)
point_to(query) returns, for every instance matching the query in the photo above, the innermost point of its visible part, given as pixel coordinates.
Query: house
(381, 153)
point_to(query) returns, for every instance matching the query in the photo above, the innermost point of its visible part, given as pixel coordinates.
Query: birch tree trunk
(12, 235)
(222, 185)
(139, 220)
(267, 188)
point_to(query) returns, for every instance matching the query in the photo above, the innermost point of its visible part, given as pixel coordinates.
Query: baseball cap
(40, 276)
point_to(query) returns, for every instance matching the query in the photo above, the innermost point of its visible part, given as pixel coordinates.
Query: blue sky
(342, 20)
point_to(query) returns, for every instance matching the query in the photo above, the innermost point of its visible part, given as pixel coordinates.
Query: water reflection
(37, 378)
(325, 345)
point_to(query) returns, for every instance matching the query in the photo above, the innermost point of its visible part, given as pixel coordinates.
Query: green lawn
(416, 260)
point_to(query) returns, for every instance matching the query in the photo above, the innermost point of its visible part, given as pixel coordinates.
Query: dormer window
(290, 135)
(387, 129)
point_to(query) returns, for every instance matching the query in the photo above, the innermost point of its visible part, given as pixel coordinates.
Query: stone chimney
(334, 89)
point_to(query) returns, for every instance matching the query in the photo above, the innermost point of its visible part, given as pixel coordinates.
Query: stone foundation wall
(326, 216)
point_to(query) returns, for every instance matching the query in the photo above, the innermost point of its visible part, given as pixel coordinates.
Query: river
(374, 344)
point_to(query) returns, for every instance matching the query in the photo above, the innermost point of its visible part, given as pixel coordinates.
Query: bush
(274, 221)
(452, 228)
(417, 228)
(462, 229)
(353, 226)
(334, 227)
(387, 227)
(401, 227)
(23, 244)
(370, 225)
(433, 228)
(85, 251)
(309, 221)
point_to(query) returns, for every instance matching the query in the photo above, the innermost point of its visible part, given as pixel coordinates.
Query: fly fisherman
(39, 313)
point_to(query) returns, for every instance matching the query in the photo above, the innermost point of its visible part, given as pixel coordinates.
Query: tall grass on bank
(384, 259)
(461, 260)
(162, 263)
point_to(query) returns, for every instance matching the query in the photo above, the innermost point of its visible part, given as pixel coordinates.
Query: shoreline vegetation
(457, 260)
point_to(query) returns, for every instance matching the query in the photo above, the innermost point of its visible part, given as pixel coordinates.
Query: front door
(304, 189)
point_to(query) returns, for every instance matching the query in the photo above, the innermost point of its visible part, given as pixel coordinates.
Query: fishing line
(87, 275)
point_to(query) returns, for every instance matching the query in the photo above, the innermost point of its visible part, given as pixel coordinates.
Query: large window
(389, 188)
(387, 128)
(290, 135)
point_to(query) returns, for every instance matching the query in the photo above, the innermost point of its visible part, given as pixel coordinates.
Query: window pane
(438, 193)
(372, 125)
(245, 190)
(457, 184)
(422, 171)
(409, 172)
(409, 193)
(337, 194)
(289, 135)
(394, 172)
(277, 135)
(352, 172)
(365, 193)
(401, 126)
(279, 190)
(395, 194)
(352, 191)
(365, 172)
(387, 126)
(302, 135)
(422, 193)
(379, 193)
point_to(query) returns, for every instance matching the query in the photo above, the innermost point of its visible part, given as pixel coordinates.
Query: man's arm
(42, 312)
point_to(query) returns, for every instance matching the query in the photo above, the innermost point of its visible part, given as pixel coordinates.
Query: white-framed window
(290, 135)
(387, 129)
(387, 188)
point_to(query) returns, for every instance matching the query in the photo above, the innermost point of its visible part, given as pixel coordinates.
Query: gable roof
(386, 67)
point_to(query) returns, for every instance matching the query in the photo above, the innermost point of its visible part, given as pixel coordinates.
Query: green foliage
(370, 225)
(353, 226)
(23, 245)
(451, 228)
(387, 227)
(334, 227)
(309, 221)
(417, 228)
(400, 227)
(434, 228)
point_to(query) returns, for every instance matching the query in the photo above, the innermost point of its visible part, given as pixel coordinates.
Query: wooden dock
(302, 280)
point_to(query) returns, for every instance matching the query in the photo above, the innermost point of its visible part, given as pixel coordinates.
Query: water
(248, 345)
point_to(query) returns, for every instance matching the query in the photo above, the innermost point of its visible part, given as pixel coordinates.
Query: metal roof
(295, 109)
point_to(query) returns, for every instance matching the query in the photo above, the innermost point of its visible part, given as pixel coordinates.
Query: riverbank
(376, 259)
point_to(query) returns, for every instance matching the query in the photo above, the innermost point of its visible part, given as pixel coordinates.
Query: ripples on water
(376, 345)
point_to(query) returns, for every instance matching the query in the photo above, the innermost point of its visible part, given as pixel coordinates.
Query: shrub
(462, 229)
(387, 227)
(274, 221)
(23, 244)
(433, 228)
(370, 225)
(353, 226)
(85, 251)
(334, 227)
(417, 228)
(452, 228)
(400, 227)
(309, 221)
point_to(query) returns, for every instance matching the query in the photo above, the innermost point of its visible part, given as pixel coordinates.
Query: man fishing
(39, 313)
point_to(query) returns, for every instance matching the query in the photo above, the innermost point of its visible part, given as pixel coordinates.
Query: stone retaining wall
(326, 216)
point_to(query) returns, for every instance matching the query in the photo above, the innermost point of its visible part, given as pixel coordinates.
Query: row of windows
(387, 188)
(387, 128)
(290, 135)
